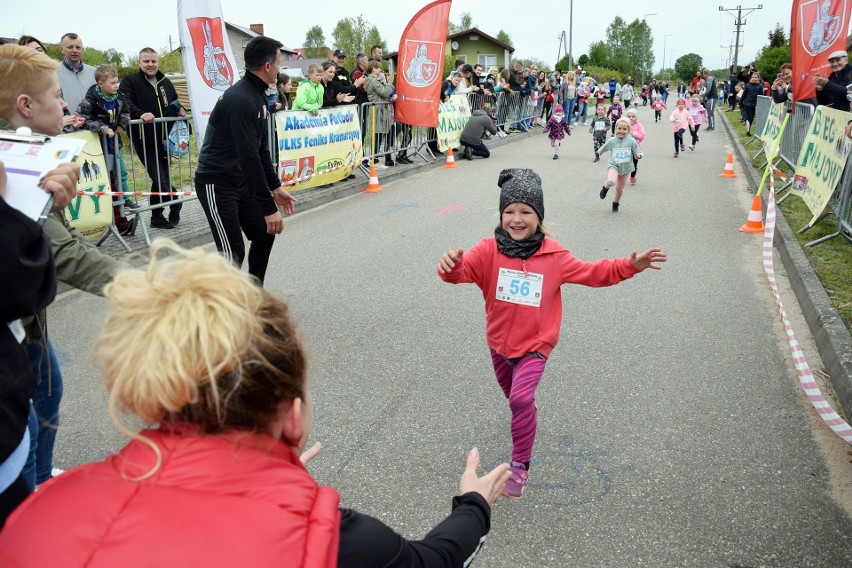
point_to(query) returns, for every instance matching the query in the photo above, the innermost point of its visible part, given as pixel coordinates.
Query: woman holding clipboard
(30, 101)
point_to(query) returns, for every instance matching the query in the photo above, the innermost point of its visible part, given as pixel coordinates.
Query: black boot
(159, 221)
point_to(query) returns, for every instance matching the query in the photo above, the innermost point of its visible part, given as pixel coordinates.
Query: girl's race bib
(518, 288)
(621, 155)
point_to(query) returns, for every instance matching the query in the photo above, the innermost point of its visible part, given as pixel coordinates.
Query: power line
(739, 22)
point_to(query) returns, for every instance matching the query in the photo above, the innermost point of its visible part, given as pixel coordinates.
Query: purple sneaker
(514, 488)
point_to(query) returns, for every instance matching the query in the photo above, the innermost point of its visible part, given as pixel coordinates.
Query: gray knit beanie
(521, 185)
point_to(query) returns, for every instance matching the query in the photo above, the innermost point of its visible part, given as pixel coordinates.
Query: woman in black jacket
(333, 92)
(751, 91)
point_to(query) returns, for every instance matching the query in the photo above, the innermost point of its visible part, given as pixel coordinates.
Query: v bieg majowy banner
(452, 118)
(91, 214)
(772, 128)
(822, 159)
(316, 150)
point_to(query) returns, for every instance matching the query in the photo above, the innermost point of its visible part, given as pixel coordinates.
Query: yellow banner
(318, 150)
(452, 118)
(91, 214)
(822, 159)
(772, 128)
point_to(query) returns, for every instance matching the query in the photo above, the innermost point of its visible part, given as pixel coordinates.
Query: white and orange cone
(451, 162)
(728, 172)
(754, 223)
(373, 186)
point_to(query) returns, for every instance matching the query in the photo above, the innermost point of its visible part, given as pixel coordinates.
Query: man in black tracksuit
(235, 179)
(149, 95)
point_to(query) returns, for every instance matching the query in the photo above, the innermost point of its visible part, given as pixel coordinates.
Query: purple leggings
(519, 378)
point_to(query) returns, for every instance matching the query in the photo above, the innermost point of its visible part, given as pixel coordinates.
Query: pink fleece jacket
(680, 119)
(513, 329)
(698, 112)
(637, 131)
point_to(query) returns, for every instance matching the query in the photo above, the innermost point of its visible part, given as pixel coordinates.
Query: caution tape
(803, 370)
(779, 173)
(288, 183)
(137, 193)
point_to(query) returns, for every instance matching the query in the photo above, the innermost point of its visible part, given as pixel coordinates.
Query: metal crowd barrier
(761, 113)
(176, 165)
(840, 206)
(792, 140)
(513, 110)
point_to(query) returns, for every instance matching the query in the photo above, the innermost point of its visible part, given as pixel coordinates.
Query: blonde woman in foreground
(218, 479)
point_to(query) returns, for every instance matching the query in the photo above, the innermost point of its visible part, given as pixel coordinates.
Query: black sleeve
(329, 95)
(779, 96)
(832, 93)
(252, 151)
(272, 179)
(129, 94)
(28, 282)
(365, 541)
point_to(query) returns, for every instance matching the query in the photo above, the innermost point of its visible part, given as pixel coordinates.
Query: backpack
(177, 142)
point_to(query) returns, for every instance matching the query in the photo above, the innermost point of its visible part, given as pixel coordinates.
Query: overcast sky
(697, 26)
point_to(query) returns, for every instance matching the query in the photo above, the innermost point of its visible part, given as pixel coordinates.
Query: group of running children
(627, 135)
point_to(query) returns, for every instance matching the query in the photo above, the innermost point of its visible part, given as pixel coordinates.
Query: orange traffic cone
(451, 162)
(728, 172)
(754, 223)
(373, 186)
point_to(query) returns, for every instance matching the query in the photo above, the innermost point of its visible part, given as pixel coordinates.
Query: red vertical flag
(817, 27)
(421, 64)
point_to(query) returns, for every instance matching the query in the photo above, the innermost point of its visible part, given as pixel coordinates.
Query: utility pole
(570, 35)
(559, 51)
(739, 22)
(645, 33)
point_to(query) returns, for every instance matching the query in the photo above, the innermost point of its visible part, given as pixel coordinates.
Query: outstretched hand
(647, 259)
(489, 485)
(310, 453)
(449, 260)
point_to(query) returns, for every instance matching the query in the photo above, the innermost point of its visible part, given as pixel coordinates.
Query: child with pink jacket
(658, 105)
(680, 119)
(699, 115)
(637, 131)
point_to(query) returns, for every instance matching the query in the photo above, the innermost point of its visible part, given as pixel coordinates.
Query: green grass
(138, 179)
(832, 259)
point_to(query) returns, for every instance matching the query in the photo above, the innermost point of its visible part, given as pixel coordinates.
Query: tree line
(627, 50)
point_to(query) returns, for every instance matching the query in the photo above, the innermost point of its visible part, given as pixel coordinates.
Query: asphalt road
(672, 429)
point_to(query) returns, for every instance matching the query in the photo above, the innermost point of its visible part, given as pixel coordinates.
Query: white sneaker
(380, 166)
(55, 472)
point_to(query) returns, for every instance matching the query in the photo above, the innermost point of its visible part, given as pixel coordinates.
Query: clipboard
(27, 157)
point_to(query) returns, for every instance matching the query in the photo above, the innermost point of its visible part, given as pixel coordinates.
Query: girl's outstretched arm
(449, 260)
(647, 259)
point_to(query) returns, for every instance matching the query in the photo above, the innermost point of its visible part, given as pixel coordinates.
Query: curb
(833, 340)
